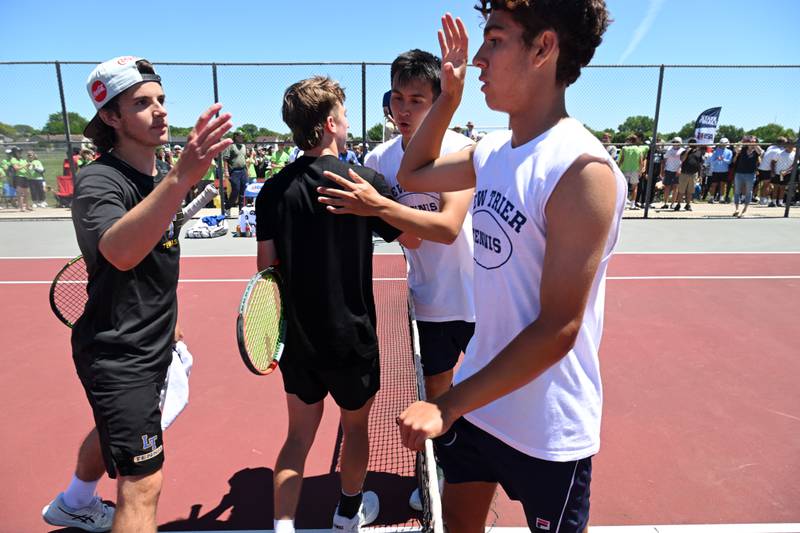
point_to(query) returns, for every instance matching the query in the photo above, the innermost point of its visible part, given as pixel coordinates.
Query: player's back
(325, 259)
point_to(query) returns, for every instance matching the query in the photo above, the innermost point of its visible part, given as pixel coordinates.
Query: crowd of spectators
(683, 173)
(23, 179)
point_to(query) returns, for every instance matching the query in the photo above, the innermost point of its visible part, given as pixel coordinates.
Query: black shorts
(21, 182)
(129, 425)
(441, 343)
(350, 386)
(554, 495)
(670, 178)
(776, 180)
(719, 177)
(763, 175)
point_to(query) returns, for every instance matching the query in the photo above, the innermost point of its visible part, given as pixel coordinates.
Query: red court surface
(701, 417)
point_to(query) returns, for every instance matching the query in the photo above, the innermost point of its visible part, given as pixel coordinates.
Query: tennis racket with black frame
(261, 324)
(68, 290)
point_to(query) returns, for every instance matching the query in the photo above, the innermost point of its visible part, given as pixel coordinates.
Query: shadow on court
(249, 501)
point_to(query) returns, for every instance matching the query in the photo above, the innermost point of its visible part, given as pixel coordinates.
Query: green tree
(771, 132)
(25, 130)
(686, 132)
(7, 130)
(55, 124)
(249, 131)
(637, 124)
(375, 133)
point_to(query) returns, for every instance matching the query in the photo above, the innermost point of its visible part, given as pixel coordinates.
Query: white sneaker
(97, 516)
(367, 514)
(415, 501)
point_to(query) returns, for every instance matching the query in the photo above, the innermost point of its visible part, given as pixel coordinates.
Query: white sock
(79, 494)
(285, 525)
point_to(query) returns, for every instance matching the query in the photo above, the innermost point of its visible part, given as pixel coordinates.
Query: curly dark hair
(579, 24)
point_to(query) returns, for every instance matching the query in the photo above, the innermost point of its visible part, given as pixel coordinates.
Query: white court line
(610, 278)
(214, 256)
(667, 278)
(210, 280)
(687, 528)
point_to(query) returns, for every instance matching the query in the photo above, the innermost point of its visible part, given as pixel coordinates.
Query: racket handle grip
(202, 199)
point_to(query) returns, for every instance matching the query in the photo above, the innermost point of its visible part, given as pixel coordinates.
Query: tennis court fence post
(653, 145)
(65, 117)
(793, 180)
(364, 105)
(219, 171)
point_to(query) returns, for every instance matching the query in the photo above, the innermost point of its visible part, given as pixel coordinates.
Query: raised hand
(454, 43)
(203, 144)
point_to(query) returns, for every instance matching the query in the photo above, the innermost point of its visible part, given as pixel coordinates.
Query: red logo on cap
(99, 91)
(125, 59)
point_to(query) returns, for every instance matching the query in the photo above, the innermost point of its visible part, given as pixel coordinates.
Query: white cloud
(644, 27)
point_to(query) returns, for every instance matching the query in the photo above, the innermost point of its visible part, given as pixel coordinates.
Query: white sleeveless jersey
(439, 275)
(555, 417)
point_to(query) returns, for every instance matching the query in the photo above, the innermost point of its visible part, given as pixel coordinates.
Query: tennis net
(393, 470)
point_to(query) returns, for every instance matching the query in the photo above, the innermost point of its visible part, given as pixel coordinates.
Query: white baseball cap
(108, 80)
(724, 141)
(677, 140)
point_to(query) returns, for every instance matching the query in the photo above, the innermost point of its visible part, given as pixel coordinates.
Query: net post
(219, 171)
(793, 180)
(65, 117)
(653, 145)
(364, 105)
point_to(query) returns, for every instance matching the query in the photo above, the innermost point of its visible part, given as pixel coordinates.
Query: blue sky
(643, 32)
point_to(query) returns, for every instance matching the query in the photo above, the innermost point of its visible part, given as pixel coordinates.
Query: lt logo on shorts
(149, 443)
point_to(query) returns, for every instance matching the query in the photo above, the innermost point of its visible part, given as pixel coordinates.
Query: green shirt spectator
(631, 158)
(251, 167)
(20, 167)
(211, 173)
(35, 170)
(280, 158)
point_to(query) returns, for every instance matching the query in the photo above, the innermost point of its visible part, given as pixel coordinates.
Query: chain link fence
(42, 94)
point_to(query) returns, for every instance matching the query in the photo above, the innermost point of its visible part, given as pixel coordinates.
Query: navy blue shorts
(554, 495)
(670, 178)
(441, 343)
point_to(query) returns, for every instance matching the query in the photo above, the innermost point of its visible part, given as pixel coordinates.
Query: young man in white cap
(525, 408)
(127, 230)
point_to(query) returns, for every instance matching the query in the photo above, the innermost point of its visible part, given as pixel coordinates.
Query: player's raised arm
(133, 236)
(422, 168)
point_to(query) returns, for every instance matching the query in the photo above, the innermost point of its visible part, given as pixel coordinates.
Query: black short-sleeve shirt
(693, 162)
(325, 263)
(125, 335)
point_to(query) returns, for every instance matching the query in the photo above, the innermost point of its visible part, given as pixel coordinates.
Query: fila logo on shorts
(542, 524)
(149, 443)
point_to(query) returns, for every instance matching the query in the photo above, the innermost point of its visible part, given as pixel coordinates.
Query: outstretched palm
(454, 42)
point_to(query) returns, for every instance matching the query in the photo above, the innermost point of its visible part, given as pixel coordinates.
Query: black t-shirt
(125, 335)
(325, 263)
(747, 161)
(693, 162)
